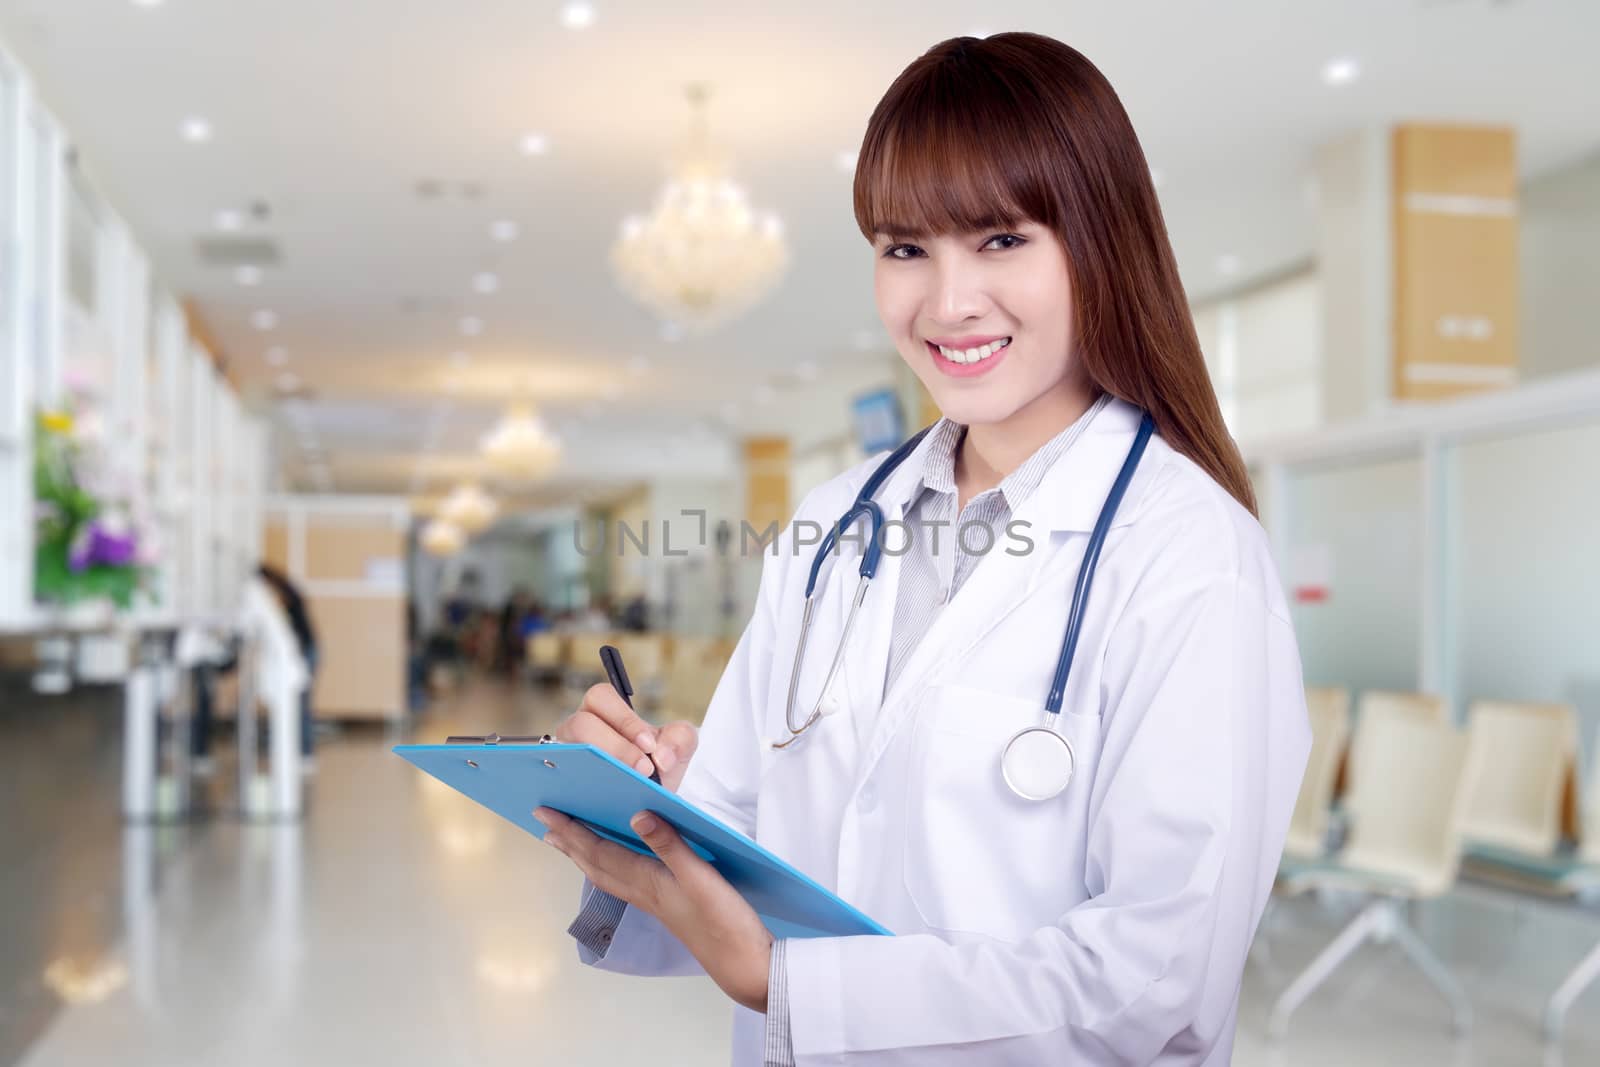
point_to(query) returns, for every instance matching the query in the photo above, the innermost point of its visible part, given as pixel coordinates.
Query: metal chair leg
(1581, 978)
(1371, 919)
(1436, 972)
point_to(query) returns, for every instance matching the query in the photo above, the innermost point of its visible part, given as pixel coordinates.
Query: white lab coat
(1109, 925)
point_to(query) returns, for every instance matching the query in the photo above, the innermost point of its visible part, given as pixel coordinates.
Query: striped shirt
(942, 555)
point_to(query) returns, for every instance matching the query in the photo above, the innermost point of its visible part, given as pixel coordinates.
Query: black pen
(611, 659)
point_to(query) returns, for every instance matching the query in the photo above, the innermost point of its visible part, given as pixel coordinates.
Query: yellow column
(1455, 281)
(766, 482)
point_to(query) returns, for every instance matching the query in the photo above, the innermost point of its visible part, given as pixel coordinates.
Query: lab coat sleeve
(722, 779)
(1204, 740)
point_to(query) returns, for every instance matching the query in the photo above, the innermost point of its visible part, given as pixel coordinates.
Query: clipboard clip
(496, 739)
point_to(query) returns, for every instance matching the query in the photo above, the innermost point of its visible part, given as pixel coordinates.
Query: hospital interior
(366, 366)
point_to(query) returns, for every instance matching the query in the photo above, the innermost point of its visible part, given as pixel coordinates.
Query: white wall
(1560, 254)
(1263, 349)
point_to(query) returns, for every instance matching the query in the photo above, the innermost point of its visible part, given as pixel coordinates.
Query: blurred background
(365, 365)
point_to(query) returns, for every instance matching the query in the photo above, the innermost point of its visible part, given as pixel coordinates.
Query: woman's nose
(958, 292)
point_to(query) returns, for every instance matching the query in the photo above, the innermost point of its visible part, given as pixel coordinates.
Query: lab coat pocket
(978, 858)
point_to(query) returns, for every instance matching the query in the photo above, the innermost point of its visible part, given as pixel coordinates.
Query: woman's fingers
(605, 721)
(619, 871)
(607, 704)
(586, 726)
(681, 738)
(664, 841)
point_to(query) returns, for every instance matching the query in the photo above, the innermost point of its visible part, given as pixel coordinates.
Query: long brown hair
(982, 134)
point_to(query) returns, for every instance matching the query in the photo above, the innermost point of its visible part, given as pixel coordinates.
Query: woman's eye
(892, 252)
(1019, 241)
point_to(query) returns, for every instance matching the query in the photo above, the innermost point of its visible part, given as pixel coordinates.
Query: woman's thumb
(662, 839)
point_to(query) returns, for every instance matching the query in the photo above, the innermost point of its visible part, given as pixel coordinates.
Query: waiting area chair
(1520, 834)
(1408, 774)
(1329, 710)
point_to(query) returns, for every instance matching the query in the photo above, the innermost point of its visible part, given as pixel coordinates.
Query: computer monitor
(879, 420)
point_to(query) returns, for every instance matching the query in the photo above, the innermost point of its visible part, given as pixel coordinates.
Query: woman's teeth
(972, 355)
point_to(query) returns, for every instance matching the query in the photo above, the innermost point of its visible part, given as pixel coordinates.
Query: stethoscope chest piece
(1037, 763)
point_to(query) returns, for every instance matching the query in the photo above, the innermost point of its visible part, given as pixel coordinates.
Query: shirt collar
(1068, 491)
(939, 461)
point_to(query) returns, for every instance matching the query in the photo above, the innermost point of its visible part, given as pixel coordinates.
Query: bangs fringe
(931, 166)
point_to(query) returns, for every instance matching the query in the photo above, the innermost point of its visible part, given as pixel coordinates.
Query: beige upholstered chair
(1406, 792)
(1329, 709)
(1526, 754)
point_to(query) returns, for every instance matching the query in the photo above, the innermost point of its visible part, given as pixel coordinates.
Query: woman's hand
(683, 891)
(605, 721)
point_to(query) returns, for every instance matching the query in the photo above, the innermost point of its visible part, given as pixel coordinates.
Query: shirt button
(605, 937)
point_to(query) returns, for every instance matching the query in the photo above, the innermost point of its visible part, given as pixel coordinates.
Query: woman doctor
(1023, 270)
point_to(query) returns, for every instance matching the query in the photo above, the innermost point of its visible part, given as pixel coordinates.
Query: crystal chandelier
(702, 255)
(469, 508)
(520, 446)
(442, 538)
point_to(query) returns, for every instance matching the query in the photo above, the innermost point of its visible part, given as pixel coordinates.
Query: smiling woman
(1016, 154)
(1072, 835)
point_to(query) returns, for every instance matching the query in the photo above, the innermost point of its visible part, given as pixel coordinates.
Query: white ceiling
(332, 112)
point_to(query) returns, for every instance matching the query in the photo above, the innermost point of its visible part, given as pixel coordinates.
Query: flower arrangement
(86, 543)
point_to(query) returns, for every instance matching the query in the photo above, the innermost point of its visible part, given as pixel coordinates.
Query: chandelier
(469, 508)
(702, 255)
(520, 446)
(442, 538)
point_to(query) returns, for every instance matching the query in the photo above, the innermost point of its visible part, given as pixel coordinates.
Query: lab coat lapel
(1059, 515)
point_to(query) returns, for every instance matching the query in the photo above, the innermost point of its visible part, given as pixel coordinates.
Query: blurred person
(508, 646)
(299, 616)
(1090, 901)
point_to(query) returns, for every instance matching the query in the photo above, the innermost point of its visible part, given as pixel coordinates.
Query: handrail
(1543, 403)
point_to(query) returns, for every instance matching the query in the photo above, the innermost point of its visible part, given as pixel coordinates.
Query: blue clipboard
(512, 779)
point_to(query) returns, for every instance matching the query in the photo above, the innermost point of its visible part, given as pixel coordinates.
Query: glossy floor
(401, 924)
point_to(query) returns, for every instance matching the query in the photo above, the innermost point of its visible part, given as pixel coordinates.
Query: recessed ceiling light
(458, 358)
(846, 161)
(277, 355)
(577, 16)
(471, 326)
(148, 3)
(248, 274)
(486, 282)
(1228, 264)
(195, 130)
(229, 220)
(264, 319)
(1341, 71)
(504, 230)
(534, 144)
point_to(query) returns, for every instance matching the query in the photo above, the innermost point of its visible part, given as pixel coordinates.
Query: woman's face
(999, 301)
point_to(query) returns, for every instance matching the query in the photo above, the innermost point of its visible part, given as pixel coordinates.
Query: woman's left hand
(683, 891)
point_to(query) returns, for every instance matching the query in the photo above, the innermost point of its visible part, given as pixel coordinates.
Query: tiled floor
(402, 924)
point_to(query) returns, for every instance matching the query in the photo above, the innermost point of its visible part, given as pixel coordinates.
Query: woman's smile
(971, 360)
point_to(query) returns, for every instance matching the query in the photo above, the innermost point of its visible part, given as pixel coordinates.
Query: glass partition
(1353, 569)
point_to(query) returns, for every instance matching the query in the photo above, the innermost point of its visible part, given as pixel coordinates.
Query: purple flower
(98, 544)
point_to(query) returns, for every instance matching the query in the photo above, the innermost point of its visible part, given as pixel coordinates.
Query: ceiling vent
(237, 251)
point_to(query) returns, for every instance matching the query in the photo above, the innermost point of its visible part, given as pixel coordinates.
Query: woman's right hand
(605, 721)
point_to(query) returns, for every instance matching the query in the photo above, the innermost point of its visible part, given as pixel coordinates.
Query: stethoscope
(1037, 762)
